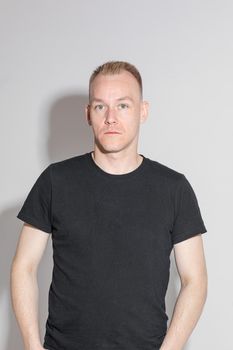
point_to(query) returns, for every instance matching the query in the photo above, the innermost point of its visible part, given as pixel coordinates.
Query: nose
(110, 116)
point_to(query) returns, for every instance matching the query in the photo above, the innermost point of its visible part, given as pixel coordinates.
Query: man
(115, 216)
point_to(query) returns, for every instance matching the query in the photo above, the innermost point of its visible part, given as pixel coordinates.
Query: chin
(106, 148)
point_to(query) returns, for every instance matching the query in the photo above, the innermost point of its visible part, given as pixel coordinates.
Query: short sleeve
(188, 220)
(37, 208)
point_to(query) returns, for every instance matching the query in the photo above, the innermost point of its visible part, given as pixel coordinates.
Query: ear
(144, 111)
(87, 114)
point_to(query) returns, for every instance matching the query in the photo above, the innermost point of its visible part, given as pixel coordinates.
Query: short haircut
(116, 67)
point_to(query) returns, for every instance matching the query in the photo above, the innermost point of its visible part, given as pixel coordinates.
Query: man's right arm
(24, 287)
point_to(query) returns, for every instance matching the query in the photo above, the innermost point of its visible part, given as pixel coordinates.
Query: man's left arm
(191, 266)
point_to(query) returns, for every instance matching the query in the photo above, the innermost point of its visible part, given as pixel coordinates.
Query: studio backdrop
(184, 51)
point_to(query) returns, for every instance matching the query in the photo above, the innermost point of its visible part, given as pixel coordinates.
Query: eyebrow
(118, 99)
(125, 98)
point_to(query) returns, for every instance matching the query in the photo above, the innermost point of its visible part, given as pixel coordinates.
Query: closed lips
(112, 132)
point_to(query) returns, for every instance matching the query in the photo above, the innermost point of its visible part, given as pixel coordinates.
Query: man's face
(116, 106)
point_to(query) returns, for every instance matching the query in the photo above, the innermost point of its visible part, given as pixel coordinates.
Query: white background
(184, 51)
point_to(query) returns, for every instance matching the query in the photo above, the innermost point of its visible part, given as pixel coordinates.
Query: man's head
(115, 104)
(116, 67)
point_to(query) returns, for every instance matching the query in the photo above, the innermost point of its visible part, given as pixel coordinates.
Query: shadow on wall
(69, 132)
(68, 135)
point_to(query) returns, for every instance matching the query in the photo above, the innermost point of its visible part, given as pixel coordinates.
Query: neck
(116, 164)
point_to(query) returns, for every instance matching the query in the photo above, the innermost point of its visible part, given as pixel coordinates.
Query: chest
(137, 215)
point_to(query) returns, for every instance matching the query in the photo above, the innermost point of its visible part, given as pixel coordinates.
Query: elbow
(202, 291)
(198, 285)
(20, 266)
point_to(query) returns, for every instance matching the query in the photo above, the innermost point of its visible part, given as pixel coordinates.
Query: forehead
(115, 85)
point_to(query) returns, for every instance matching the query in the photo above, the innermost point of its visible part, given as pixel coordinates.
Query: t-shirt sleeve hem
(34, 222)
(183, 236)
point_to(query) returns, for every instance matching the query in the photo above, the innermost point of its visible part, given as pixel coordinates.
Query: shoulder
(68, 163)
(68, 168)
(164, 173)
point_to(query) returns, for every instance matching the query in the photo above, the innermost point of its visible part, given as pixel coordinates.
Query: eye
(123, 106)
(99, 107)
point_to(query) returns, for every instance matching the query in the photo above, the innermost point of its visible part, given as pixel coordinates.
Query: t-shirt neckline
(103, 173)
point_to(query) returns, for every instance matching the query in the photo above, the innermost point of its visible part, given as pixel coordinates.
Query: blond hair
(116, 67)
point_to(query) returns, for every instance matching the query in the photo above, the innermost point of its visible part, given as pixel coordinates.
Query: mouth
(112, 132)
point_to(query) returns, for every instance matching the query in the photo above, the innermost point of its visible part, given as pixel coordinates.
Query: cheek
(97, 124)
(132, 123)
(99, 130)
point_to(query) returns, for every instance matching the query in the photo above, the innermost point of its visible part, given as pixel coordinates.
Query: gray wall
(184, 50)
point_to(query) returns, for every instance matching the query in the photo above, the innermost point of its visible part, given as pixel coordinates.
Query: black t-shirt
(112, 236)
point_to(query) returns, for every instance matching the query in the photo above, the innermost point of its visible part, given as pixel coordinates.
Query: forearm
(187, 311)
(24, 293)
